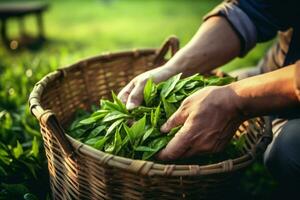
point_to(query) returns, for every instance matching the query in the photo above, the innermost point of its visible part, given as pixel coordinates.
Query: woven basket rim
(159, 169)
(156, 169)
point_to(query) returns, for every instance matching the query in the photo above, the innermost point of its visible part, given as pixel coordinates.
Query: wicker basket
(78, 171)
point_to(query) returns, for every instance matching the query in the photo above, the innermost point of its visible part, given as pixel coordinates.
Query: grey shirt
(257, 21)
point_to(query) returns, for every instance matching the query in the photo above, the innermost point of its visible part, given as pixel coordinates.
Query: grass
(79, 29)
(94, 26)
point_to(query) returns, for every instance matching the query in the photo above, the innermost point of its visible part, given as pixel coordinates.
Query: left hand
(209, 118)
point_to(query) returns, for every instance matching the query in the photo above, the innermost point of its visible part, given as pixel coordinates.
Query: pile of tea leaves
(136, 133)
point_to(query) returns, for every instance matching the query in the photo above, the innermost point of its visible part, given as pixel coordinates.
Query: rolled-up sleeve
(253, 21)
(297, 79)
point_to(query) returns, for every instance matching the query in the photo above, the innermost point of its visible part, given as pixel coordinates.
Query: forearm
(268, 93)
(213, 45)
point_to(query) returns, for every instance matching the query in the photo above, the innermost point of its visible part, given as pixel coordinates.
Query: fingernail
(130, 105)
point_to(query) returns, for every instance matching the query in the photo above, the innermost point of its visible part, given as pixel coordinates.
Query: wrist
(236, 102)
(266, 94)
(241, 102)
(186, 61)
(177, 64)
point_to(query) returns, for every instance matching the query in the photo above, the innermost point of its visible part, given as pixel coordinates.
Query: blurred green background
(75, 30)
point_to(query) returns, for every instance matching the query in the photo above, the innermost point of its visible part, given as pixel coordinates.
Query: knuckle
(169, 122)
(173, 118)
(184, 107)
(184, 138)
(180, 114)
(177, 120)
(141, 80)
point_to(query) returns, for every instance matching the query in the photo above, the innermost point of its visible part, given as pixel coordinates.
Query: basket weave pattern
(78, 171)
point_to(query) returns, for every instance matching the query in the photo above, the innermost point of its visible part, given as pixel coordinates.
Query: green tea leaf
(100, 112)
(169, 85)
(18, 190)
(125, 141)
(31, 167)
(240, 142)
(174, 98)
(77, 133)
(144, 148)
(174, 130)
(96, 131)
(191, 85)
(129, 134)
(160, 142)
(135, 133)
(91, 120)
(4, 157)
(93, 140)
(114, 115)
(141, 111)
(218, 81)
(138, 128)
(184, 81)
(109, 147)
(117, 142)
(107, 105)
(100, 143)
(80, 115)
(157, 144)
(155, 116)
(147, 134)
(117, 101)
(29, 196)
(30, 130)
(5, 120)
(115, 145)
(18, 150)
(169, 108)
(35, 147)
(148, 91)
(97, 142)
(3, 172)
(113, 126)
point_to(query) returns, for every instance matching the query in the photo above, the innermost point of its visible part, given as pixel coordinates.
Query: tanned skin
(211, 115)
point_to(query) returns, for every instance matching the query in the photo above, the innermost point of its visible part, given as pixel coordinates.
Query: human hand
(209, 118)
(132, 93)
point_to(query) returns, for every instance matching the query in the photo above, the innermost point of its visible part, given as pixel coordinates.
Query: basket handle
(172, 43)
(50, 121)
(46, 117)
(267, 136)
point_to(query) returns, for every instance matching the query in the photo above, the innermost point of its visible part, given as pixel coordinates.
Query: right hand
(132, 93)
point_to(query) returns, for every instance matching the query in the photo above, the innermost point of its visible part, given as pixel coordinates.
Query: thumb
(135, 98)
(175, 120)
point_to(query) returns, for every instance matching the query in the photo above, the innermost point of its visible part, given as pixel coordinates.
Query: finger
(191, 152)
(135, 98)
(176, 147)
(124, 93)
(175, 120)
